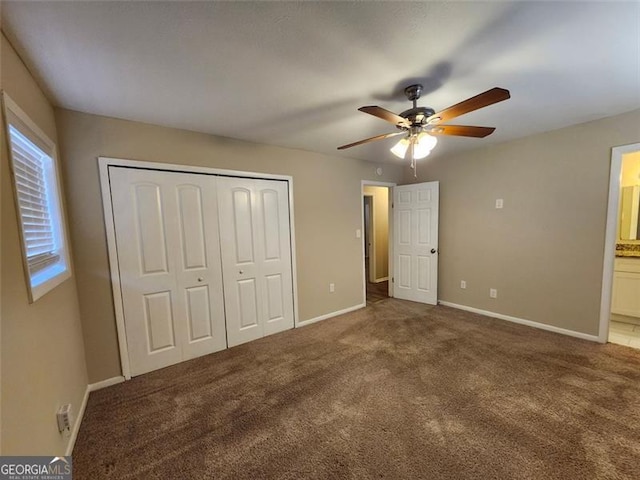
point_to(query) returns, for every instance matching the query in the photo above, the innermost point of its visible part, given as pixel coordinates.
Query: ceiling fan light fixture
(423, 144)
(400, 148)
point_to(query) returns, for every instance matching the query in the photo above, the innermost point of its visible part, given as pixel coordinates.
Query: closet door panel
(198, 266)
(275, 250)
(256, 257)
(169, 261)
(241, 271)
(147, 269)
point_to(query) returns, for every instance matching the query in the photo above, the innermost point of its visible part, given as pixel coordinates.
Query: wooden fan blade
(372, 139)
(385, 115)
(462, 131)
(485, 99)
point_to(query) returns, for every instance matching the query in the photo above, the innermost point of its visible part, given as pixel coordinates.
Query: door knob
(433, 250)
(240, 272)
(200, 279)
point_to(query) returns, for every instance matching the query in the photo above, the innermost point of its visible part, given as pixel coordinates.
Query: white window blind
(38, 203)
(30, 166)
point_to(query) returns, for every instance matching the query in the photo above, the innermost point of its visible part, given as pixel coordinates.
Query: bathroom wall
(630, 176)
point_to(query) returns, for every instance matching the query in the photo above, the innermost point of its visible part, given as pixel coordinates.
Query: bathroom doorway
(622, 253)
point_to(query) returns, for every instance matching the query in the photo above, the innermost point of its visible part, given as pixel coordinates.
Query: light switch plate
(499, 202)
(358, 233)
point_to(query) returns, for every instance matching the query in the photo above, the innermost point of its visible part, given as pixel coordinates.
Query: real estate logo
(35, 468)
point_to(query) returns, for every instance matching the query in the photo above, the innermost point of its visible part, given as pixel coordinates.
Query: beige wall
(326, 204)
(380, 229)
(544, 250)
(43, 363)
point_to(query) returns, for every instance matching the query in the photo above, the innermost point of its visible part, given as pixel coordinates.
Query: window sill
(48, 279)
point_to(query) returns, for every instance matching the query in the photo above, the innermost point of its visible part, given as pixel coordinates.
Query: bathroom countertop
(628, 250)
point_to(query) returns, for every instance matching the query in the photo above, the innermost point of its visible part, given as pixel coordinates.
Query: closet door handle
(200, 279)
(240, 272)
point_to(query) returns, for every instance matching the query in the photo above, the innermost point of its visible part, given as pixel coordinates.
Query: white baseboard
(105, 383)
(522, 321)
(92, 387)
(77, 422)
(331, 315)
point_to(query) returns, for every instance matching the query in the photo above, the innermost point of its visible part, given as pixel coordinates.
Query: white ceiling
(294, 73)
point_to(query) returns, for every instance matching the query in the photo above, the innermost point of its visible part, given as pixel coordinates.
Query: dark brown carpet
(396, 390)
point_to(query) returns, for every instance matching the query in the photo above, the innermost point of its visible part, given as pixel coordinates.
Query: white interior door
(169, 259)
(415, 244)
(256, 257)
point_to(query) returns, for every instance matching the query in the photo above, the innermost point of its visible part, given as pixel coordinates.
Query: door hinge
(393, 280)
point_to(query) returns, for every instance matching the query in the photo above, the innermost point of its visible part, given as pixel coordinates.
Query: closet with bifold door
(204, 262)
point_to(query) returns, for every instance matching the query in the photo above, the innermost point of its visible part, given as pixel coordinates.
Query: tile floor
(624, 334)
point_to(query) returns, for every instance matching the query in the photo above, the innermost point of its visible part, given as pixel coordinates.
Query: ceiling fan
(419, 124)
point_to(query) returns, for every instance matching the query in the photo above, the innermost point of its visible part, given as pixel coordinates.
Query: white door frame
(372, 183)
(104, 163)
(611, 232)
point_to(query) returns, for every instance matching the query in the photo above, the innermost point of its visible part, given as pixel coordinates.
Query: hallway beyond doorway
(375, 222)
(376, 292)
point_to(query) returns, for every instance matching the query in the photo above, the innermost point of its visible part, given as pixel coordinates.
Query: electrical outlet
(64, 418)
(493, 293)
(463, 284)
(332, 287)
(499, 202)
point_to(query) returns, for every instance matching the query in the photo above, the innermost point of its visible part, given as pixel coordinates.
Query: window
(38, 203)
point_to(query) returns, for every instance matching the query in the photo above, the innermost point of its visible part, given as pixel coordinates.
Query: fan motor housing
(418, 115)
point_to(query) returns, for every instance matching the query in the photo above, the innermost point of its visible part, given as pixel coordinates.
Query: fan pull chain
(413, 159)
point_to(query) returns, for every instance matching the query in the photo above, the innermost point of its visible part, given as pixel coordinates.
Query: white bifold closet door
(169, 260)
(256, 257)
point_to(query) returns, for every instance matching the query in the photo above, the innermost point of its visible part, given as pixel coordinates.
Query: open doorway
(624, 326)
(620, 311)
(375, 208)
